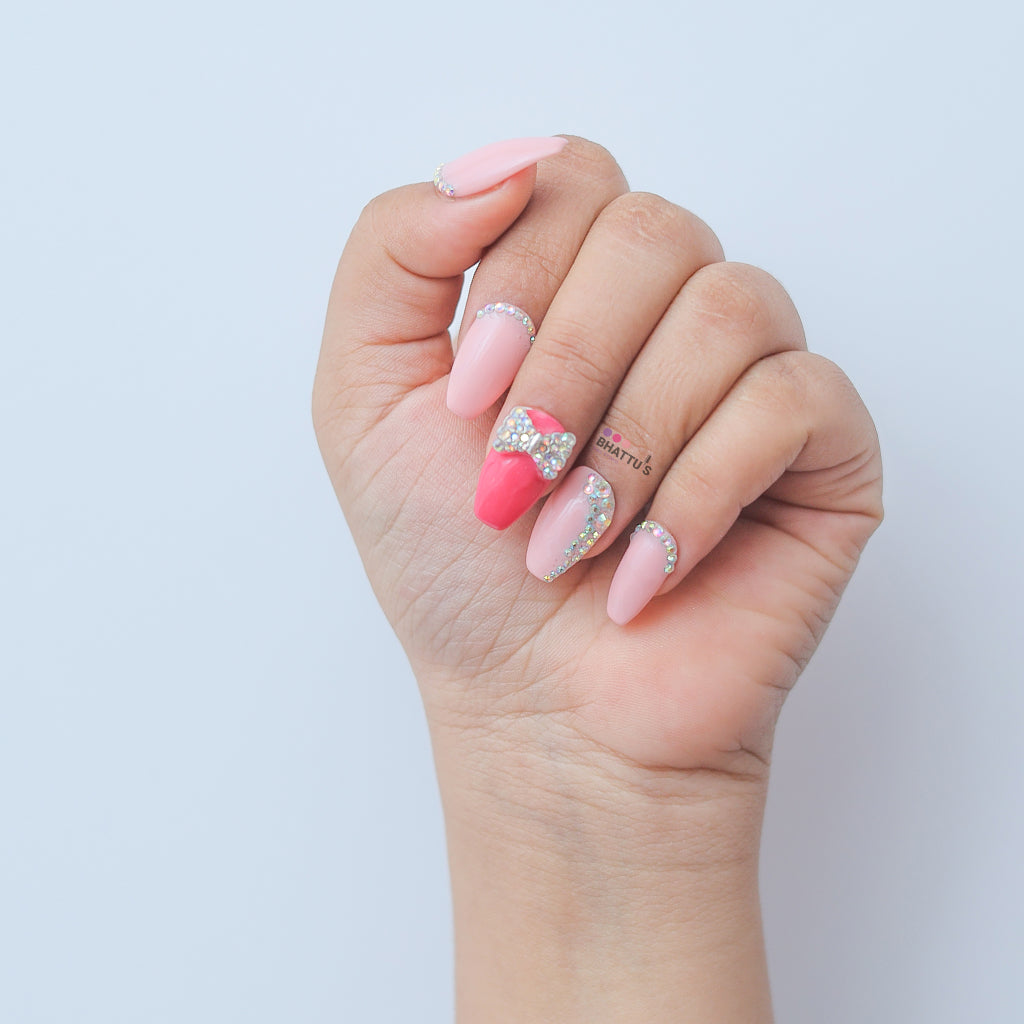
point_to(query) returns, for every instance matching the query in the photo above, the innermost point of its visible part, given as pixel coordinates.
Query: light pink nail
(650, 557)
(489, 358)
(491, 165)
(571, 522)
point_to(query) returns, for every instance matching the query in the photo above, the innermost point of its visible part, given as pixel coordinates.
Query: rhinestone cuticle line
(659, 532)
(601, 502)
(441, 185)
(508, 309)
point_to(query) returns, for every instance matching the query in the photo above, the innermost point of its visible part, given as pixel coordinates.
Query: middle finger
(636, 257)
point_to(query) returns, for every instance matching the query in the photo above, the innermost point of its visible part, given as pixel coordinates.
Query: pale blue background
(216, 795)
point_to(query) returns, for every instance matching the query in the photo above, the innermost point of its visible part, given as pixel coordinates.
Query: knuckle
(720, 292)
(744, 298)
(590, 161)
(780, 380)
(645, 219)
(795, 382)
(809, 373)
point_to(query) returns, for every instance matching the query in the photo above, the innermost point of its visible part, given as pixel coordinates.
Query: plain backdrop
(217, 800)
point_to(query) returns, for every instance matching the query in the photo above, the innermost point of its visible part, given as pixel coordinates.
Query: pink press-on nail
(570, 523)
(650, 557)
(530, 450)
(489, 358)
(491, 165)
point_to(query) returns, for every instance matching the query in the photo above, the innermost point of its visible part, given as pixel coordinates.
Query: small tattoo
(612, 442)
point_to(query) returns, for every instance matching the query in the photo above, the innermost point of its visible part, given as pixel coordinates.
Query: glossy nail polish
(489, 357)
(489, 166)
(529, 451)
(650, 557)
(571, 522)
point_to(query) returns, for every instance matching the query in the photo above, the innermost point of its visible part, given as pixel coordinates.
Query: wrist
(586, 888)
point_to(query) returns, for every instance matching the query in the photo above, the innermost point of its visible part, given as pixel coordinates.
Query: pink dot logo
(613, 437)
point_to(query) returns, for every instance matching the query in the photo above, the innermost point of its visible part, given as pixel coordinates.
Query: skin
(603, 785)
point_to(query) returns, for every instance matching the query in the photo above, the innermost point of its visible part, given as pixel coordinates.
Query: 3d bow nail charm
(530, 449)
(550, 452)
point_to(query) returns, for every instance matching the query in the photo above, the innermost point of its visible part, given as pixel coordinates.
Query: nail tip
(491, 508)
(456, 410)
(492, 525)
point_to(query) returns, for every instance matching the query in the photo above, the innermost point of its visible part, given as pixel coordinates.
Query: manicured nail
(491, 165)
(489, 358)
(530, 450)
(571, 522)
(650, 557)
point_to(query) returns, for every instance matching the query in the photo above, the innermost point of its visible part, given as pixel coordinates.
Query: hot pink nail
(530, 450)
(650, 557)
(491, 165)
(570, 523)
(489, 358)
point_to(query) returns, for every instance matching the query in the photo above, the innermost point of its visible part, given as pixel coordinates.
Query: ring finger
(726, 318)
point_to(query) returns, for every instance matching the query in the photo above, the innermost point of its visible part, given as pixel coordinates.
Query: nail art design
(489, 166)
(651, 556)
(572, 521)
(441, 185)
(549, 451)
(489, 358)
(530, 449)
(509, 310)
(668, 541)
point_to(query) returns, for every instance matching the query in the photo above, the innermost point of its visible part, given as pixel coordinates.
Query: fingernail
(529, 451)
(571, 522)
(491, 165)
(650, 557)
(489, 358)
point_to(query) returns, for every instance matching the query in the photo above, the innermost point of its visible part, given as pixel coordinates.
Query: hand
(755, 456)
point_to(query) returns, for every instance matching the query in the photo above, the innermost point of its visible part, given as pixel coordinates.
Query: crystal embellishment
(601, 507)
(668, 541)
(507, 309)
(550, 452)
(441, 185)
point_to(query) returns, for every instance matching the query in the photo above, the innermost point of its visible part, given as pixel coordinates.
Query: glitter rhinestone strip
(599, 517)
(441, 185)
(507, 309)
(666, 538)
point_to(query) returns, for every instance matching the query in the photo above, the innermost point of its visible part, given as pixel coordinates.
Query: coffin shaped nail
(531, 448)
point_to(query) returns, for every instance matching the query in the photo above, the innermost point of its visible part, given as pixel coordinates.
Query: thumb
(400, 278)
